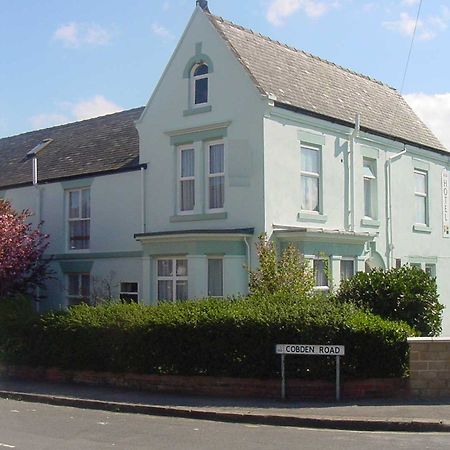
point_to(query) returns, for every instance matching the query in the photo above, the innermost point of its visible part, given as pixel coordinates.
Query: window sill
(421, 228)
(197, 217)
(305, 216)
(368, 222)
(199, 110)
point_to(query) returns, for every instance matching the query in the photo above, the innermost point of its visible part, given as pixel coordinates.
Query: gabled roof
(94, 146)
(306, 83)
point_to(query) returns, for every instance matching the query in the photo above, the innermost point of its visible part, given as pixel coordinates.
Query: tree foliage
(22, 267)
(288, 274)
(406, 293)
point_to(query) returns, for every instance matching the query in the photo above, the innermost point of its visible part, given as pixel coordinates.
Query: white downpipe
(351, 169)
(389, 234)
(143, 212)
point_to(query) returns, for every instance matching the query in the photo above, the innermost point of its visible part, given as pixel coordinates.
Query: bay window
(78, 288)
(215, 277)
(172, 279)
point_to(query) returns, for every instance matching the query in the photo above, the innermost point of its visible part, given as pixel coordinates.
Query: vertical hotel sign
(445, 204)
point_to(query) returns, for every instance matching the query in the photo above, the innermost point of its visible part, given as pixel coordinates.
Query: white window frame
(79, 218)
(125, 293)
(423, 195)
(340, 267)
(180, 179)
(215, 258)
(209, 176)
(79, 296)
(314, 175)
(194, 79)
(174, 277)
(370, 164)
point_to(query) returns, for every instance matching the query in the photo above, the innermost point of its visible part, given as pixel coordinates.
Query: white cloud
(94, 107)
(46, 120)
(162, 32)
(75, 35)
(410, 2)
(427, 29)
(84, 109)
(279, 10)
(434, 110)
(404, 25)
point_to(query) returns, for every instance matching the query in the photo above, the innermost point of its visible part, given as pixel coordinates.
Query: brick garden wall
(429, 360)
(217, 386)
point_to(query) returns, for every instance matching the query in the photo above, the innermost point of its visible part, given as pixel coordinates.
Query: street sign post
(311, 350)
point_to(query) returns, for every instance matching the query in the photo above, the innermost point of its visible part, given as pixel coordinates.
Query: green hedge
(234, 337)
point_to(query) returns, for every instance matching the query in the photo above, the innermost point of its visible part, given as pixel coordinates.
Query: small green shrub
(288, 274)
(406, 293)
(218, 337)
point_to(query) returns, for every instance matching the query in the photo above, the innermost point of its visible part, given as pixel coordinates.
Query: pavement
(369, 415)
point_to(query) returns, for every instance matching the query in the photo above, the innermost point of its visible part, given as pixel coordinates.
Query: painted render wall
(115, 217)
(233, 99)
(282, 193)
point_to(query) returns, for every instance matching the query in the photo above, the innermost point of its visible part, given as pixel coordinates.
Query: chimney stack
(204, 5)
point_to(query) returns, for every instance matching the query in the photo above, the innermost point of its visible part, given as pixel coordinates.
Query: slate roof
(304, 82)
(101, 145)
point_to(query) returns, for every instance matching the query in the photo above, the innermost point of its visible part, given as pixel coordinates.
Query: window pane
(319, 272)
(182, 290)
(347, 269)
(216, 158)
(368, 197)
(215, 277)
(216, 192)
(74, 204)
(187, 163)
(187, 193)
(421, 182)
(201, 70)
(182, 267)
(85, 203)
(85, 286)
(73, 287)
(310, 193)
(421, 210)
(79, 233)
(310, 160)
(165, 290)
(128, 287)
(430, 269)
(164, 267)
(201, 91)
(367, 172)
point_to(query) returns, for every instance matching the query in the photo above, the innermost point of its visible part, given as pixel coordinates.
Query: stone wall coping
(428, 339)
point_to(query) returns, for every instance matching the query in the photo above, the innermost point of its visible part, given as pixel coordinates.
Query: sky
(63, 61)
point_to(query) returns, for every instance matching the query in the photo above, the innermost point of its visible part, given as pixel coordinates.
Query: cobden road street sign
(302, 349)
(311, 350)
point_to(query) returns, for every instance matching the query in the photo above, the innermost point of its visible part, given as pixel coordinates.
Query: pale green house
(242, 135)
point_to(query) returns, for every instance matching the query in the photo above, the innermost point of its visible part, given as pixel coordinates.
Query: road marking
(7, 445)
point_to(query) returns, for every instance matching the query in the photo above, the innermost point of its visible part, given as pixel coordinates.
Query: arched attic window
(199, 77)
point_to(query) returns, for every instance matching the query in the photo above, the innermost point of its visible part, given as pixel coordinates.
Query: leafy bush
(16, 318)
(219, 337)
(406, 293)
(289, 274)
